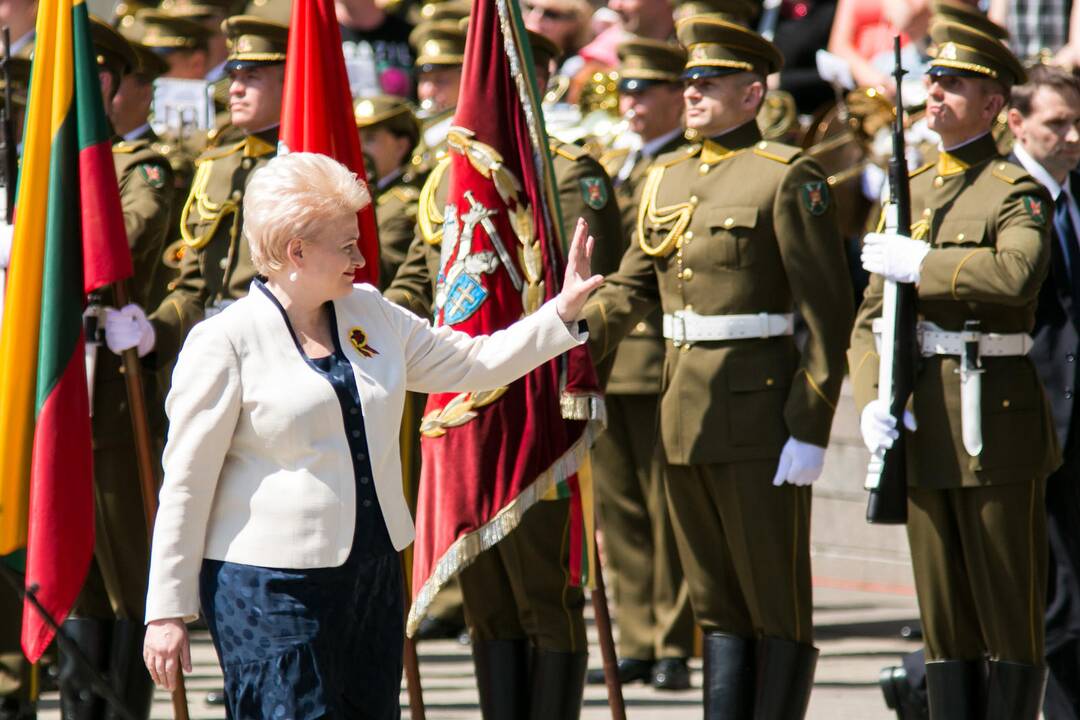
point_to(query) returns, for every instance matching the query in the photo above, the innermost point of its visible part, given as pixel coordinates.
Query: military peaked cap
(960, 50)
(644, 62)
(716, 47)
(254, 41)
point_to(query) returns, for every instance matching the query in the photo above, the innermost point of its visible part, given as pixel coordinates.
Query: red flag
(317, 110)
(69, 240)
(488, 457)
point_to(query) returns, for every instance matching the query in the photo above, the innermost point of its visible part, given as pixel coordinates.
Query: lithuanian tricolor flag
(69, 239)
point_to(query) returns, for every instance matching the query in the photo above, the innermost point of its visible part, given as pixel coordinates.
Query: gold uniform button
(685, 349)
(960, 237)
(1005, 403)
(769, 382)
(689, 308)
(728, 222)
(688, 235)
(762, 145)
(939, 181)
(703, 168)
(688, 274)
(926, 212)
(694, 200)
(641, 327)
(224, 263)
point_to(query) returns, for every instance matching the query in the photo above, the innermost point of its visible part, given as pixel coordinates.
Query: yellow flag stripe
(50, 100)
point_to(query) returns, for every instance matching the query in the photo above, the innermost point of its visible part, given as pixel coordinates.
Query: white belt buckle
(763, 323)
(678, 328)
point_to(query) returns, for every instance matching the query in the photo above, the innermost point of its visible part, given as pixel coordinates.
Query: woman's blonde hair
(292, 196)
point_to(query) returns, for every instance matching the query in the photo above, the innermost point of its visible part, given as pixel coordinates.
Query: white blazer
(257, 465)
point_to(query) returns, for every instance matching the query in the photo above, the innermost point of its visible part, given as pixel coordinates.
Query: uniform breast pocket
(962, 233)
(730, 229)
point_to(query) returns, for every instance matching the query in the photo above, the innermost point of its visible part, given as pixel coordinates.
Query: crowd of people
(721, 163)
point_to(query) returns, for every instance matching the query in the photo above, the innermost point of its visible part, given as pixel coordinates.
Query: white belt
(935, 341)
(686, 326)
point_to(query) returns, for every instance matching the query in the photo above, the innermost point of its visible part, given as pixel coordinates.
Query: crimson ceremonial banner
(490, 456)
(317, 111)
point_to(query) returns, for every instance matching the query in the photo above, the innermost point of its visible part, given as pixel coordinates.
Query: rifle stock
(9, 166)
(886, 477)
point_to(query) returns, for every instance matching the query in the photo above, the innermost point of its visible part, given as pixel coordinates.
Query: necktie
(1066, 232)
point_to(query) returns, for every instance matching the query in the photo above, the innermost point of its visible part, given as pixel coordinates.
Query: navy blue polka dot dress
(321, 643)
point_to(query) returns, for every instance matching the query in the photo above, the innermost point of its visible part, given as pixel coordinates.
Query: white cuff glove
(128, 328)
(800, 463)
(878, 426)
(894, 257)
(6, 233)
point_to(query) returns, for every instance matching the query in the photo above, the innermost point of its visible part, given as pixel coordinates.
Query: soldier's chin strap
(86, 675)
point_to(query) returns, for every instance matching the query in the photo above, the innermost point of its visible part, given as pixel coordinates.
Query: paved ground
(857, 631)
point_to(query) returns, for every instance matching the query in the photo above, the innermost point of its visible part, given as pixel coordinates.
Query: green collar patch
(1035, 209)
(815, 197)
(594, 192)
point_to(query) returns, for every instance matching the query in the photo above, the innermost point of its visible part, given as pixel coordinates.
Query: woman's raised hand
(165, 649)
(578, 283)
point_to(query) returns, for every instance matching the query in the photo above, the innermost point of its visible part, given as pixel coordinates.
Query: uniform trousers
(14, 670)
(745, 548)
(979, 556)
(520, 589)
(652, 602)
(115, 585)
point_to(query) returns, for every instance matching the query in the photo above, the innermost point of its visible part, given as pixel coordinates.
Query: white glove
(878, 426)
(6, 233)
(894, 257)
(127, 328)
(800, 463)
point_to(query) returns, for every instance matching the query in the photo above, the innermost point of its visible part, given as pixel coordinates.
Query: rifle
(9, 167)
(886, 477)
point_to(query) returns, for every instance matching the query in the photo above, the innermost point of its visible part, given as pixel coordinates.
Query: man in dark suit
(1045, 120)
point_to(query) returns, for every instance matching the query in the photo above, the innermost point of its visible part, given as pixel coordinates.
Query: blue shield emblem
(463, 299)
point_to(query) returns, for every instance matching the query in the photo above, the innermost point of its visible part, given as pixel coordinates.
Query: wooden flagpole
(144, 454)
(607, 644)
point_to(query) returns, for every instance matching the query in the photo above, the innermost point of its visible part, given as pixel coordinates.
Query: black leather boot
(77, 700)
(558, 683)
(502, 677)
(728, 682)
(1015, 691)
(127, 673)
(901, 695)
(16, 708)
(956, 689)
(785, 677)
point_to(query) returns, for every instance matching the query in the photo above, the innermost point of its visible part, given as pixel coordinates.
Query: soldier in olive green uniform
(390, 131)
(978, 460)
(216, 265)
(106, 620)
(652, 606)
(517, 594)
(733, 235)
(440, 51)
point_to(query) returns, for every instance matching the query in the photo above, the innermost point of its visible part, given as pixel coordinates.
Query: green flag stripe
(62, 281)
(93, 126)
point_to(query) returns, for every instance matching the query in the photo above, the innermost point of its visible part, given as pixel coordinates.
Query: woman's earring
(292, 276)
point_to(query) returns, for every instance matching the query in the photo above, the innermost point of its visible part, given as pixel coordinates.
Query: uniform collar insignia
(949, 164)
(728, 143)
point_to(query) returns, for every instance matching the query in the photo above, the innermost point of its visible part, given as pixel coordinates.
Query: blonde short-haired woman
(281, 511)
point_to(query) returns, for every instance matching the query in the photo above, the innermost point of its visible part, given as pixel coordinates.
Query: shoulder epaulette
(568, 151)
(920, 170)
(778, 152)
(123, 148)
(405, 193)
(676, 156)
(612, 160)
(220, 152)
(1008, 172)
